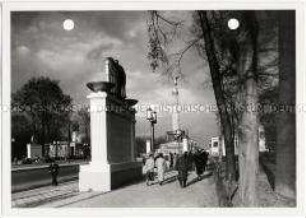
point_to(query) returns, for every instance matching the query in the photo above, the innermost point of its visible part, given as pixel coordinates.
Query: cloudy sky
(40, 46)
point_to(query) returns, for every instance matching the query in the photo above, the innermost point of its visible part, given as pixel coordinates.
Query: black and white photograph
(146, 109)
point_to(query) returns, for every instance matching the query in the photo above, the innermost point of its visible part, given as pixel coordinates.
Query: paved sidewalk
(196, 194)
(43, 195)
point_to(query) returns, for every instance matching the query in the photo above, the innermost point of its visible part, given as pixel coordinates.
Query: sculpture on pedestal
(112, 133)
(115, 84)
(117, 76)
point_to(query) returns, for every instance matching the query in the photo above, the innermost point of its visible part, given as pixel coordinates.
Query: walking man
(171, 159)
(182, 164)
(148, 169)
(54, 169)
(200, 159)
(161, 167)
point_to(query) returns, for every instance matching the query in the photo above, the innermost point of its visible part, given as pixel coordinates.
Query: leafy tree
(81, 124)
(21, 133)
(85, 124)
(47, 107)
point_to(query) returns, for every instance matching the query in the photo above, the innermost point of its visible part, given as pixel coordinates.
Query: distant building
(217, 146)
(34, 150)
(64, 149)
(171, 147)
(178, 147)
(262, 139)
(59, 149)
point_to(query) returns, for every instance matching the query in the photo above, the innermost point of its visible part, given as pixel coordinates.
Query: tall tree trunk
(285, 183)
(248, 148)
(227, 128)
(248, 151)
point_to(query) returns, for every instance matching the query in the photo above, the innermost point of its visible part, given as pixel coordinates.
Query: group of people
(160, 163)
(181, 163)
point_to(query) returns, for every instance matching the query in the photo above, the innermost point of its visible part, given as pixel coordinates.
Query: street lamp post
(152, 118)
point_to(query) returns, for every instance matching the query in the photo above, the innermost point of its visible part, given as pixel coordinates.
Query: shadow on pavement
(143, 180)
(267, 166)
(195, 180)
(169, 180)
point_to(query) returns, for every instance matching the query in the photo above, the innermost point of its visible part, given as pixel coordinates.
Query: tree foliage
(81, 124)
(21, 133)
(46, 107)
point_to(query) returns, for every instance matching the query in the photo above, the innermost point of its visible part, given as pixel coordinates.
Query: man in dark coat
(200, 160)
(171, 159)
(181, 166)
(54, 169)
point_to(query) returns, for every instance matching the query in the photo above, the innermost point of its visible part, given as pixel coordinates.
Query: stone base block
(108, 177)
(125, 173)
(95, 178)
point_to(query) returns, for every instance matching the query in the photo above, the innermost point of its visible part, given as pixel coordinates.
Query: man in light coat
(149, 169)
(161, 167)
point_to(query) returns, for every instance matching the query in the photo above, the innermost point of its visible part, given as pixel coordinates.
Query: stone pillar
(29, 150)
(148, 146)
(97, 175)
(98, 127)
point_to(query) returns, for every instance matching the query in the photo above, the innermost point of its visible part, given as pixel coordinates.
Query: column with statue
(112, 132)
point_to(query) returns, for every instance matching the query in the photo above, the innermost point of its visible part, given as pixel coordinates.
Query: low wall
(34, 177)
(107, 177)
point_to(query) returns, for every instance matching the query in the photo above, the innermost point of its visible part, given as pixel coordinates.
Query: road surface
(27, 178)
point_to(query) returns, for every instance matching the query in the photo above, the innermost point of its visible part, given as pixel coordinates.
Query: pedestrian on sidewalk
(54, 169)
(161, 167)
(174, 160)
(171, 159)
(200, 159)
(148, 169)
(182, 165)
(167, 163)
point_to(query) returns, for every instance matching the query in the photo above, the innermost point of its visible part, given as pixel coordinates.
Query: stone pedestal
(96, 175)
(112, 129)
(29, 151)
(95, 178)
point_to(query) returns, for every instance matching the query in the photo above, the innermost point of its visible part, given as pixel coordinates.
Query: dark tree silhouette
(47, 107)
(285, 183)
